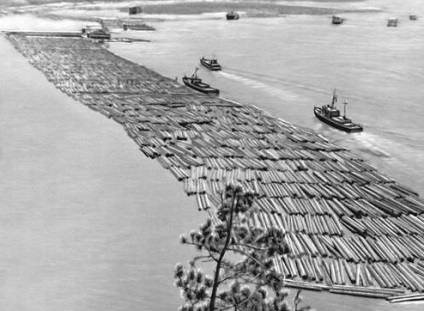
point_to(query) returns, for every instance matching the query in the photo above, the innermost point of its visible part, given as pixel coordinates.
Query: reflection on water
(81, 227)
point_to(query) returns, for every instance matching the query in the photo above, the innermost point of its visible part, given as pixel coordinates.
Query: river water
(84, 222)
(288, 65)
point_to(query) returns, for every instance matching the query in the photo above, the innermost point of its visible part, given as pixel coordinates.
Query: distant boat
(210, 63)
(232, 15)
(331, 116)
(337, 20)
(196, 83)
(413, 17)
(392, 22)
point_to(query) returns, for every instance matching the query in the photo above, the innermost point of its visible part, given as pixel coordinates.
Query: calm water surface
(83, 220)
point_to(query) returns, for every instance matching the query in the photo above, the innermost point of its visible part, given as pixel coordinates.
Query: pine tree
(250, 283)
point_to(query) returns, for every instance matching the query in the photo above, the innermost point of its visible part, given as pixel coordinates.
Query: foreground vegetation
(250, 283)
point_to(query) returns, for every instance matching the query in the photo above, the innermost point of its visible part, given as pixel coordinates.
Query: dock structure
(63, 34)
(133, 24)
(350, 229)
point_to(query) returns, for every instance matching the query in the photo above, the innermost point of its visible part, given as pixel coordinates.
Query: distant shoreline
(256, 8)
(252, 9)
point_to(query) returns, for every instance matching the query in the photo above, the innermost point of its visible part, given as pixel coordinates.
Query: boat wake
(373, 145)
(268, 79)
(254, 83)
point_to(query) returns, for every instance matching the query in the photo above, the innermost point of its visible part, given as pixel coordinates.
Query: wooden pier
(351, 229)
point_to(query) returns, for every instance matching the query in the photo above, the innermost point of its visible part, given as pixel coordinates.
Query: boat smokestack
(344, 110)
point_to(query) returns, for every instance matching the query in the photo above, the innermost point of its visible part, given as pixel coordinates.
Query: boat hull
(204, 88)
(349, 128)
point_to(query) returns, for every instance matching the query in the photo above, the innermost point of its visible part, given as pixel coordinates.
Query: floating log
(354, 292)
(405, 298)
(303, 285)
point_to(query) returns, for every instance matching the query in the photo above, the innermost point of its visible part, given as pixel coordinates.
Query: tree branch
(221, 256)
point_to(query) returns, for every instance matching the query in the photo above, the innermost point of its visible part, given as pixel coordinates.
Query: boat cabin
(341, 119)
(330, 111)
(210, 63)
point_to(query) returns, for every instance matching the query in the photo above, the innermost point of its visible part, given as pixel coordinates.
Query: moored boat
(232, 15)
(330, 115)
(196, 83)
(210, 63)
(96, 32)
(337, 20)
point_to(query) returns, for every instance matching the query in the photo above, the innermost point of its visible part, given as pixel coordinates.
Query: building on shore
(133, 10)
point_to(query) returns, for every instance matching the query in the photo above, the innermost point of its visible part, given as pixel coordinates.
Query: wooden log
(302, 285)
(320, 248)
(342, 248)
(405, 298)
(309, 266)
(347, 271)
(283, 267)
(341, 272)
(376, 275)
(379, 268)
(354, 292)
(367, 275)
(301, 268)
(307, 244)
(413, 278)
(291, 264)
(359, 253)
(333, 272)
(326, 269)
(297, 244)
(318, 269)
(404, 277)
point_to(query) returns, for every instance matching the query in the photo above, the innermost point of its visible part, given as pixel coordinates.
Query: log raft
(350, 228)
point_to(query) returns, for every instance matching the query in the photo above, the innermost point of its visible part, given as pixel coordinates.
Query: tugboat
(211, 64)
(337, 20)
(196, 83)
(331, 116)
(232, 15)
